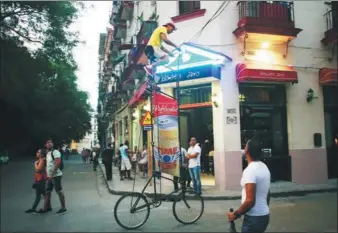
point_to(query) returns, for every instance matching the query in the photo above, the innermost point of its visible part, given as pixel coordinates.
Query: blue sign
(189, 74)
(147, 127)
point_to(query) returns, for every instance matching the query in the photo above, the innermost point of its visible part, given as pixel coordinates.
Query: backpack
(61, 160)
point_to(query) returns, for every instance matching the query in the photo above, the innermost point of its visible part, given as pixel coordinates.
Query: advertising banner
(166, 136)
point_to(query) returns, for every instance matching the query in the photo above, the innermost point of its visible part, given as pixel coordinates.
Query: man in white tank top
(255, 184)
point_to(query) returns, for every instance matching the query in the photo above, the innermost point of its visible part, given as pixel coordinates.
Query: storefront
(329, 81)
(263, 114)
(198, 71)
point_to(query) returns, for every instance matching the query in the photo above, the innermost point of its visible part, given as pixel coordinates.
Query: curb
(226, 198)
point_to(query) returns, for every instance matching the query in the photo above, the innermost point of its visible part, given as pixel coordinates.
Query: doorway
(196, 121)
(331, 128)
(263, 116)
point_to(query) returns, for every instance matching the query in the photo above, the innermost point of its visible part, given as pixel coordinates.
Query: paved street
(91, 207)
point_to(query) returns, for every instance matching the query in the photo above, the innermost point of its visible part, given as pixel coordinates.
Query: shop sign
(166, 137)
(189, 74)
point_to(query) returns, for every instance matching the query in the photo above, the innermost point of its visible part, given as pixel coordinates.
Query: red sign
(164, 105)
(166, 136)
(250, 72)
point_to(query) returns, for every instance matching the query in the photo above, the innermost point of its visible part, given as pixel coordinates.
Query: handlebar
(232, 223)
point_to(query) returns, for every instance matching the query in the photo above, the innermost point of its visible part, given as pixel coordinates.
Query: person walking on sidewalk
(39, 179)
(194, 158)
(107, 160)
(183, 171)
(125, 161)
(255, 184)
(54, 177)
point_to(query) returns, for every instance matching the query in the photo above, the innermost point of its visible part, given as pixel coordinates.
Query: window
(188, 6)
(196, 94)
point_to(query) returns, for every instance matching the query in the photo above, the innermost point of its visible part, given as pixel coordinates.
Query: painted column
(308, 163)
(226, 124)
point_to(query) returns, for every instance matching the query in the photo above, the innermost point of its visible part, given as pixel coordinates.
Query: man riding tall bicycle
(155, 50)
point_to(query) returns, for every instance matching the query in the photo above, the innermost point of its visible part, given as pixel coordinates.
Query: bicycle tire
(147, 208)
(182, 197)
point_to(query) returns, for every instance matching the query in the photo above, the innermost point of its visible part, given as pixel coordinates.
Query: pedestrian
(255, 184)
(134, 157)
(143, 163)
(67, 153)
(194, 158)
(125, 162)
(107, 160)
(183, 171)
(39, 179)
(54, 178)
(95, 156)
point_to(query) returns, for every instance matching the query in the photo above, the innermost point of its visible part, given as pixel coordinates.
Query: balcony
(263, 21)
(121, 30)
(330, 35)
(116, 45)
(126, 10)
(142, 39)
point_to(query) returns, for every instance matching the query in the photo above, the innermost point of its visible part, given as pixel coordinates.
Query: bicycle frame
(155, 175)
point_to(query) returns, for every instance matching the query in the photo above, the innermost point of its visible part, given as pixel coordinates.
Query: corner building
(279, 82)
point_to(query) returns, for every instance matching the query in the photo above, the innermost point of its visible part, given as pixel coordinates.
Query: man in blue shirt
(125, 161)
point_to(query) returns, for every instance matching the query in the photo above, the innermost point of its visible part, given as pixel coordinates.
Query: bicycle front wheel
(131, 211)
(188, 207)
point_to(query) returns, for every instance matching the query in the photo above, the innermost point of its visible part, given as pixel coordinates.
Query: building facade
(279, 82)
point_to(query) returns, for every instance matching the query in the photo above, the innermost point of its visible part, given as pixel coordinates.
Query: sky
(93, 21)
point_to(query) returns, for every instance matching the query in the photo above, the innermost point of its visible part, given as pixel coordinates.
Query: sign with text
(190, 74)
(166, 137)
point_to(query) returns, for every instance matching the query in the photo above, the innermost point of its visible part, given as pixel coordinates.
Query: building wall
(304, 119)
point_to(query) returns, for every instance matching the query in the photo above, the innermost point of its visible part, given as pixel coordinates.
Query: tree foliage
(39, 97)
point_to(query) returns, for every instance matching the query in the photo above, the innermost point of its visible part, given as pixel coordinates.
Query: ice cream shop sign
(193, 62)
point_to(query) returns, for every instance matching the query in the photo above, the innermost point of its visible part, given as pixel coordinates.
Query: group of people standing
(48, 176)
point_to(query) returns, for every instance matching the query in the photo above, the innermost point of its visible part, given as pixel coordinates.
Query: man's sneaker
(30, 211)
(61, 211)
(149, 70)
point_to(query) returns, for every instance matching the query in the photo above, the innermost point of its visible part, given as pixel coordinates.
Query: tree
(39, 97)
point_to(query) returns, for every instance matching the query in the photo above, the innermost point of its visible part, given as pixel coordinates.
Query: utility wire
(215, 15)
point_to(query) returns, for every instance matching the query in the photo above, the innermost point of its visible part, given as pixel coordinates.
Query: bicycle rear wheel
(191, 203)
(125, 210)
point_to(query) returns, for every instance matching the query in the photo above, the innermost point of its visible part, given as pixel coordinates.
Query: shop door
(331, 128)
(331, 135)
(184, 130)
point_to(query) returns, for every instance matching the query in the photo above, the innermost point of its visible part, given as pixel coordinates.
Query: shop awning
(265, 73)
(328, 76)
(138, 95)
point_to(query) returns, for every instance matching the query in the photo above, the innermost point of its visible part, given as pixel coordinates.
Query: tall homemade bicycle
(138, 203)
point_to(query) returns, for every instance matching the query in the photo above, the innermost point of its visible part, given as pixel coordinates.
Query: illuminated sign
(189, 74)
(192, 62)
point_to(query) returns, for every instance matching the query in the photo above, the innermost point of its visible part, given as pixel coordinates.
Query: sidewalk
(278, 189)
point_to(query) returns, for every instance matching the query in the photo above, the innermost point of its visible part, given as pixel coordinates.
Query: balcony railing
(277, 11)
(145, 32)
(331, 20)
